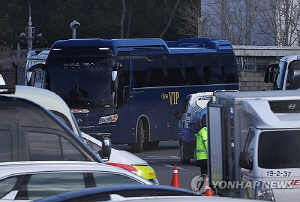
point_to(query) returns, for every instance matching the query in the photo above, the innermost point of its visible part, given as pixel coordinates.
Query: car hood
(124, 157)
(118, 156)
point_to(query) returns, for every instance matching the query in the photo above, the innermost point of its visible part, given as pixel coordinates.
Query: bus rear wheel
(140, 139)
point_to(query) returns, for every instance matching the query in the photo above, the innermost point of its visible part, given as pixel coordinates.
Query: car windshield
(81, 81)
(279, 149)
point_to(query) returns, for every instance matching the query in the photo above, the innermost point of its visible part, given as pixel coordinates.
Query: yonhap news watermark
(198, 184)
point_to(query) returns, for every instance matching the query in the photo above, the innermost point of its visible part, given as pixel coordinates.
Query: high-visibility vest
(201, 144)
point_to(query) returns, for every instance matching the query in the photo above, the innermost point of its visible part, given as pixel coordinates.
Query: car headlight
(108, 119)
(264, 192)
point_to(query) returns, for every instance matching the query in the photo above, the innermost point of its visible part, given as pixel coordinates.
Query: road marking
(161, 157)
(176, 157)
(170, 166)
(151, 156)
(151, 161)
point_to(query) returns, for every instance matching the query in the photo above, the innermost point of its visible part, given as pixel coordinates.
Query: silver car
(35, 180)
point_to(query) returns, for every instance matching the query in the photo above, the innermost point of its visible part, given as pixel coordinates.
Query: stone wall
(253, 81)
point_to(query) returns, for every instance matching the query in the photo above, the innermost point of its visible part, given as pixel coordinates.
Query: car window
(47, 184)
(70, 153)
(63, 118)
(5, 146)
(7, 185)
(106, 179)
(51, 147)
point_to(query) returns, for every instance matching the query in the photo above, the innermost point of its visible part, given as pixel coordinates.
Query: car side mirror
(245, 160)
(106, 149)
(176, 115)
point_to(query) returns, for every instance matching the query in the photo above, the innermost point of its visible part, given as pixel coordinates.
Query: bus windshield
(81, 81)
(282, 68)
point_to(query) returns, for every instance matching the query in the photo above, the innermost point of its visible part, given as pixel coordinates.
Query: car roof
(46, 99)
(103, 193)
(117, 198)
(26, 167)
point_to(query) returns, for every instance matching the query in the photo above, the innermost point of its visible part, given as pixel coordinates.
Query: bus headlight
(264, 192)
(108, 119)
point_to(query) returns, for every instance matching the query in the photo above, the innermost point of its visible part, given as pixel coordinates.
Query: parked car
(136, 193)
(56, 104)
(30, 132)
(35, 180)
(118, 193)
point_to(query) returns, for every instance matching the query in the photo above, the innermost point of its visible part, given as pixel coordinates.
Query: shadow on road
(163, 145)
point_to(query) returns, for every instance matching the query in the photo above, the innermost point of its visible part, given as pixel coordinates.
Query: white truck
(286, 74)
(254, 144)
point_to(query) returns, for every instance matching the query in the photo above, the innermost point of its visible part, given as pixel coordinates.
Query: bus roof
(191, 45)
(110, 42)
(202, 44)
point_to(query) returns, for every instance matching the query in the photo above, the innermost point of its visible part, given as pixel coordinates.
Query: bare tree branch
(170, 20)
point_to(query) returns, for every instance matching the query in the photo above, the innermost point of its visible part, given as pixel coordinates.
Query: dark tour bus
(127, 89)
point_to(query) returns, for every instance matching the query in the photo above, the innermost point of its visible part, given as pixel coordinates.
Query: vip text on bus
(127, 89)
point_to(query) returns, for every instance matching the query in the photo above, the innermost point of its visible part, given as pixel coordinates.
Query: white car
(34, 180)
(124, 159)
(57, 105)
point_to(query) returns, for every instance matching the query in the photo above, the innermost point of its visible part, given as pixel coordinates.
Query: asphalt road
(163, 160)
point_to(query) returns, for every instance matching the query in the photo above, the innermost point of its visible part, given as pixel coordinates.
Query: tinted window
(106, 179)
(70, 153)
(279, 149)
(293, 79)
(81, 81)
(43, 146)
(7, 185)
(47, 184)
(5, 146)
(185, 69)
(51, 147)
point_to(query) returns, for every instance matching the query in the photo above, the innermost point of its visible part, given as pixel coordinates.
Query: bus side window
(207, 74)
(175, 77)
(157, 77)
(192, 76)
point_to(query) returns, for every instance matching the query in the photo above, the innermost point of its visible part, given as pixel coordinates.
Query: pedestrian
(201, 146)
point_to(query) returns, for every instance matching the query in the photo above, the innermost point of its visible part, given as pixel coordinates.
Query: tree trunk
(170, 20)
(122, 19)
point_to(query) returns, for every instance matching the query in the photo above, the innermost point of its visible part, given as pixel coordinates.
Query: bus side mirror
(244, 161)
(31, 78)
(31, 73)
(275, 74)
(271, 73)
(106, 148)
(176, 115)
(115, 81)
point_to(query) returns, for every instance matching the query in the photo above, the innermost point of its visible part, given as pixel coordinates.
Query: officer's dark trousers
(203, 166)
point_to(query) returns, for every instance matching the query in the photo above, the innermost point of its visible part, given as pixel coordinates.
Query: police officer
(201, 146)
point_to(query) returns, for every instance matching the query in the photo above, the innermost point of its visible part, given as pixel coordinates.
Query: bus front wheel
(140, 139)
